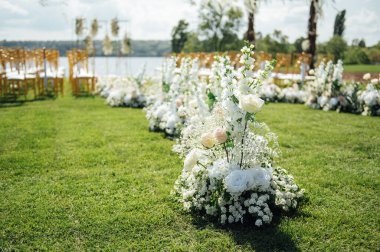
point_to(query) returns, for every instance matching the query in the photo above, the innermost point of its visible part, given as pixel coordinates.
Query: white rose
(258, 177)
(367, 76)
(236, 182)
(251, 103)
(375, 81)
(178, 103)
(191, 160)
(208, 140)
(220, 135)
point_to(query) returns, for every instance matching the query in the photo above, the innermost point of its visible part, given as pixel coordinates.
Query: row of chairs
(81, 79)
(22, 70)
(285, 63)
(293, 66)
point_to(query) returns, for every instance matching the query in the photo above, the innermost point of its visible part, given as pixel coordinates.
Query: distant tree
(219, 23)
(193, 44)
(274, 43)
(298, 44)
(179, 36)
(358, 42)
(362, 43)
(355, 42)
(339, 25)
(337, 47)
(356, 55)
(315, 11)
(312, 28)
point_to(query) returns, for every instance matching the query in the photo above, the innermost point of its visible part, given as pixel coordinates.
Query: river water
(120, 65)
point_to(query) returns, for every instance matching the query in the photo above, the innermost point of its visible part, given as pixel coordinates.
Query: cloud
(154, 19)
(12, 7)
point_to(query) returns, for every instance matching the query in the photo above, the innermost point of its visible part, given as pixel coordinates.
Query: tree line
(140, 48)
(220, 23)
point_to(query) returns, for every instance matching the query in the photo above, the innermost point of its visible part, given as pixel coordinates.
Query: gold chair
(79, 74)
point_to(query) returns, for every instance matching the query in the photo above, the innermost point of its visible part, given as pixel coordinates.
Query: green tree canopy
(339, 25)
(179, 36)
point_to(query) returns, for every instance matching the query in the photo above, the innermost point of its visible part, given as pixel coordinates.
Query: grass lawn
(76, 174)
(362, 69)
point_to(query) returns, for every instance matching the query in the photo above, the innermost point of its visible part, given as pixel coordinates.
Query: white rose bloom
(251, 103)
(258, 177)
(367, 76)
(375, 81)
(191, 159)
(220, 135)
(208, 140)
(236, 182)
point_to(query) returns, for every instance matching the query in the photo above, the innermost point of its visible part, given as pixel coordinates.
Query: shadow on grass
(265, 238)
(84, 95)
(11, 101)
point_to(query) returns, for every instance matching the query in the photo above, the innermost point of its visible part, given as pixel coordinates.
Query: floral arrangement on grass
(123, 91)
(328, 91)
(229, 168)
(182, 97)
(369, 99)
(325, 88)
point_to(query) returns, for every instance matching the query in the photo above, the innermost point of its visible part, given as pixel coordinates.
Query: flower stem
(242, 142)
(225, 148)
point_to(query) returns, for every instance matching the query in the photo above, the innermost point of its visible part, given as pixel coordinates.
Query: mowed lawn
(76, 174)
(362, 69)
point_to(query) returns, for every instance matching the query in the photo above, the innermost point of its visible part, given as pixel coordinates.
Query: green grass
(76, 174)
(362, 69)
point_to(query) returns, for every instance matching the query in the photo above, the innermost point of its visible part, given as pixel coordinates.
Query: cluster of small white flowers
(369, 99)
(123, 91)
(325, 88)
(229, 170)
(182, 97)
(329, 92)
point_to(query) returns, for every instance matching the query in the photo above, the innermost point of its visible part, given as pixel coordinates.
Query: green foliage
(193, 44)
(77, 175)
(356, 55)
(298, 45)
(336, 46)
(274, 43)
(374, 55)
(219, 25)
(339, 23)
(179, 36)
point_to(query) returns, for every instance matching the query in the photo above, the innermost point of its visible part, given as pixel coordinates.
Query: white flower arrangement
(182, 97)
(325, 88)
(328, 91)
(369, 98)
(123, 91)
(229, 170)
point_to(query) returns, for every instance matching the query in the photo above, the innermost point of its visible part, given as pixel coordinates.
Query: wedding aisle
(78, 175)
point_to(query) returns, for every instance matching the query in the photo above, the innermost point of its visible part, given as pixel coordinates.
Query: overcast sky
(154, 19)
